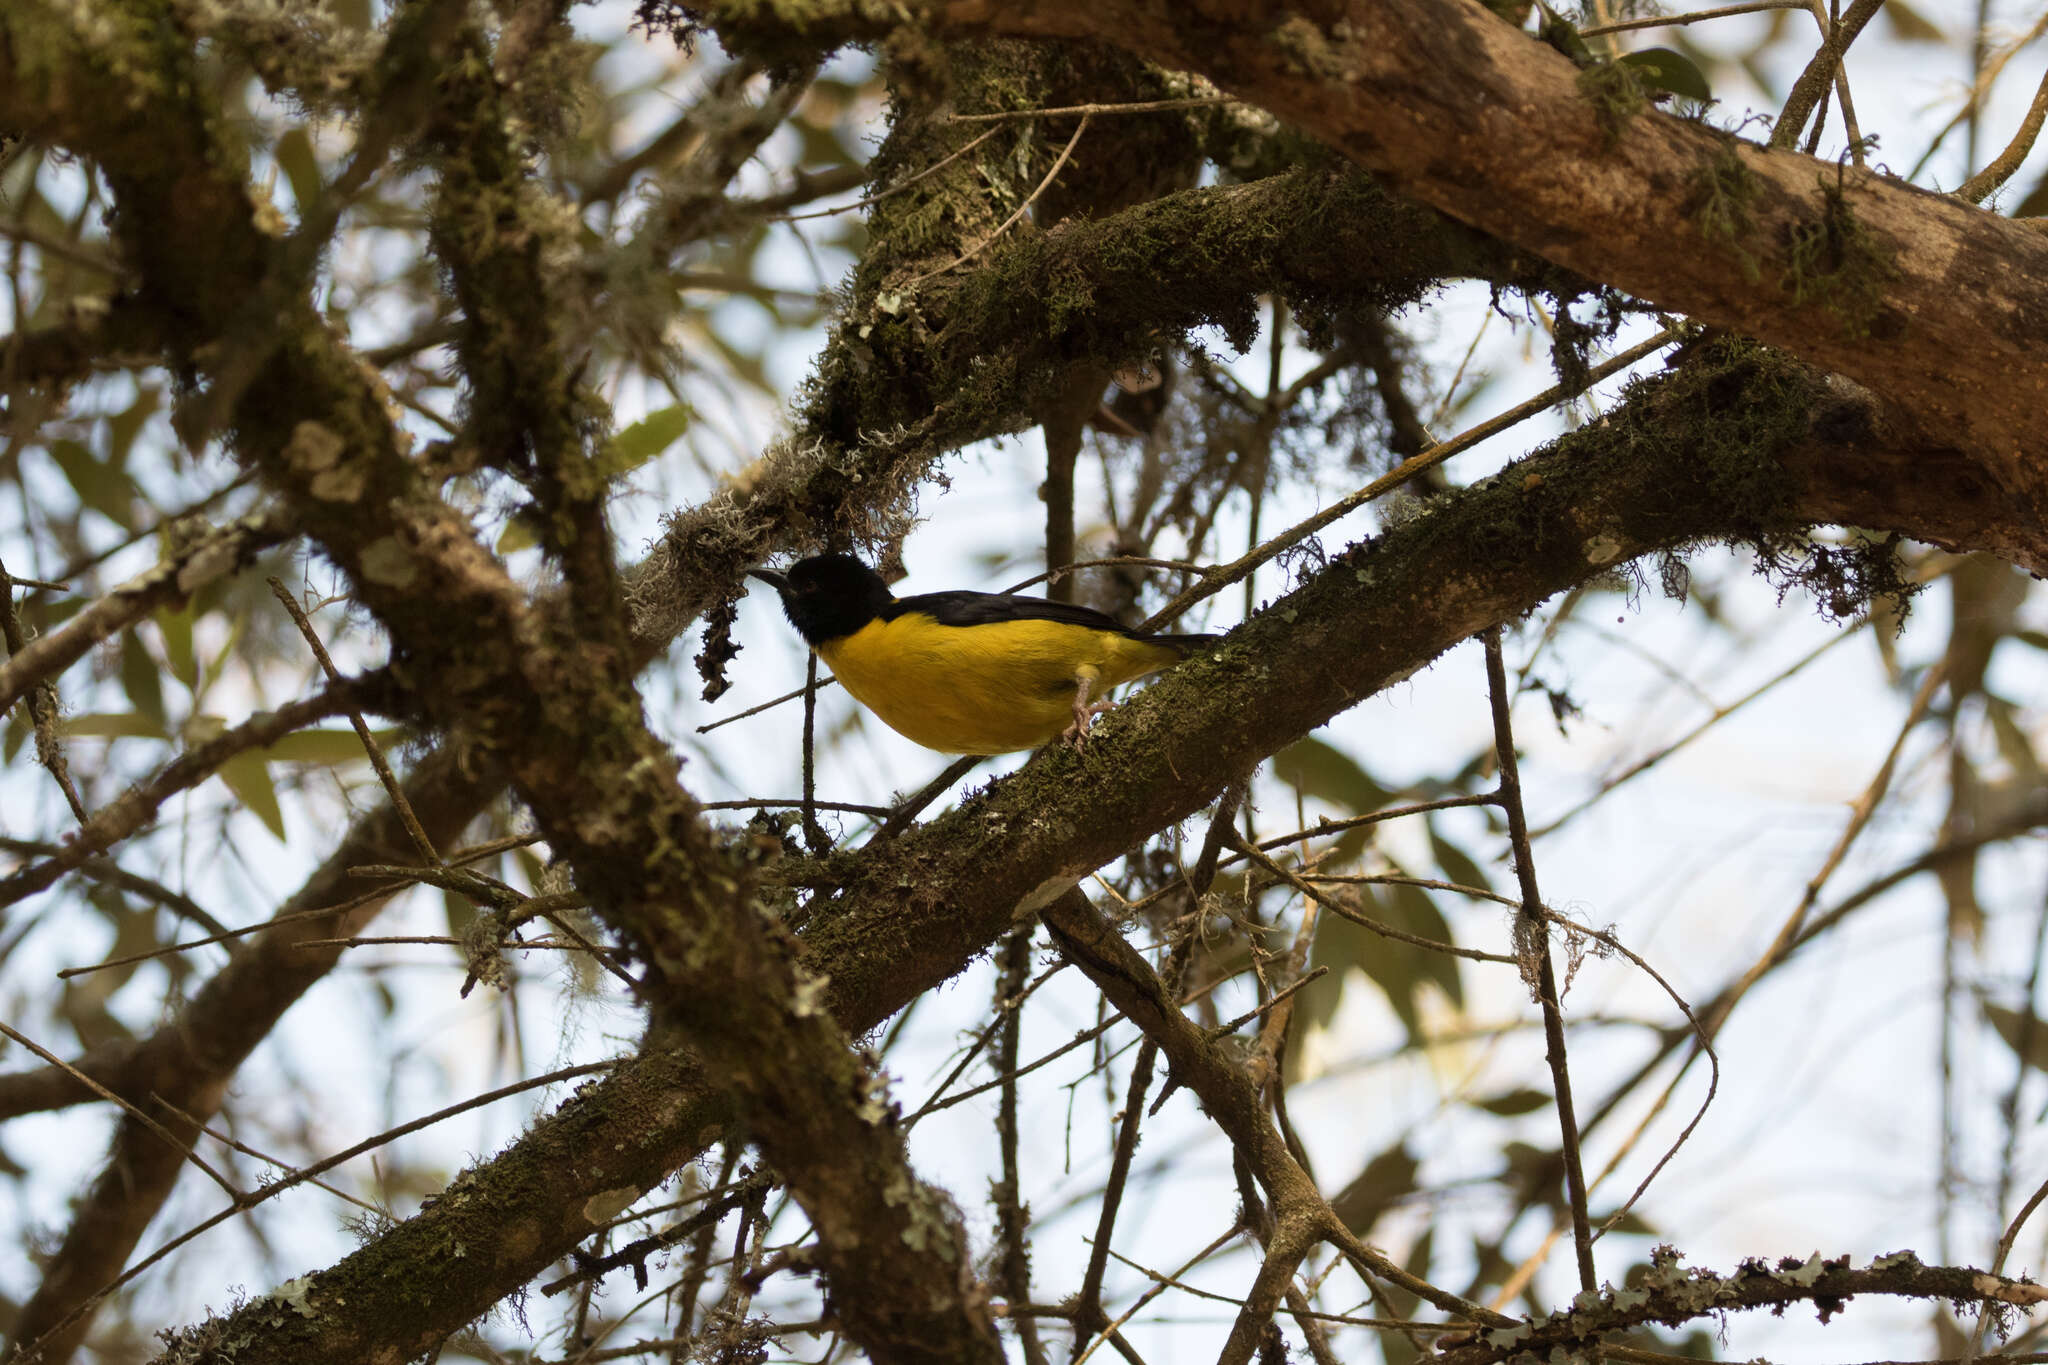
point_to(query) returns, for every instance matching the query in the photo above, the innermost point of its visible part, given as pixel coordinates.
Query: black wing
(963, 608)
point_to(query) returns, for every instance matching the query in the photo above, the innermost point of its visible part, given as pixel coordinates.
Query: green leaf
(2021, 1029)
(100, 486)
(139, 679)
(327, 747)
(1632, 1223)
(643, 440)
(1511, 1103)
(301, 167)
(1457, 865)
(1659, 68)
(1319, 770)
(2014, 744)
(529, 865)
(19, 727)
(522, 532)
(1561, 34)
(237, 623)
(460, 911)
(1340, 947)
(1910, 26)
(115, 725)
(1411, 908)
(1400, 970)
(1395, 1348)
(123, 426)
(176, 629)
(248, 777)
(1385, 1179)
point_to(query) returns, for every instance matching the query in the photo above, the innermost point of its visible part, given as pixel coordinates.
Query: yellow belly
(986, 689)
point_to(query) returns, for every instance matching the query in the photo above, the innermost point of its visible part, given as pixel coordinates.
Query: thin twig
(1987, 75)
(1820, 74)
(751, 803)
(1022, 209)
(2012, 1232)
(138, 805)
(413, 828)
(1850, 130)
(245, 1149)
(1337, 907)
(126, 1107)
(69, 252)
(1090, 1322)
(104, 869)
(43, 706)
(896, 188)
(1696, 16)
(1160, 1283)
(203, 561)
(770, 704)
(1706, 1042)
(1214, 580)
(1233, 1025)
(1136, 107)
(1532, 941)
(1174, 1281)
(907, 811)
(815, 837)
(1013, 1266)
(472, 854)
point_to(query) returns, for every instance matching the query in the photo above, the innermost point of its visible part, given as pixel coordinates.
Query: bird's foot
(1084, 712)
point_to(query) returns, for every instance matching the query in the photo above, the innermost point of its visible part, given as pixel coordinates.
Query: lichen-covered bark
(1936, 304)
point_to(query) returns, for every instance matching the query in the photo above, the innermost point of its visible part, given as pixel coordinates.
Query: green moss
(1726, 193)
(1838, 264)
(1616, 94)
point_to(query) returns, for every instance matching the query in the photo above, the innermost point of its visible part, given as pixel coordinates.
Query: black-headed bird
(967, 672)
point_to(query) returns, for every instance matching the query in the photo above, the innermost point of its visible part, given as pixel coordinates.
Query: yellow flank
(983, 689)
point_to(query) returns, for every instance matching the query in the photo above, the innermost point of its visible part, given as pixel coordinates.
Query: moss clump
(1838, 264)
(1844, 580)
(1616, 94)
(1726, 193)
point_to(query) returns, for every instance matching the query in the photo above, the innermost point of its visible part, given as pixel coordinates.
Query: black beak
(771, 578)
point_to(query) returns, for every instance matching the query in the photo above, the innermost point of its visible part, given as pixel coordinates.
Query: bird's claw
(1084, 712)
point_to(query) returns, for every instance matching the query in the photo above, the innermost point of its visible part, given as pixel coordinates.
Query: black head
(828, 597)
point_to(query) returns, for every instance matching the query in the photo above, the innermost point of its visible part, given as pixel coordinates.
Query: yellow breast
(983, 689)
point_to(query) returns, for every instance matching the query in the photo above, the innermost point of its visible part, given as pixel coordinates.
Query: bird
(967, 672)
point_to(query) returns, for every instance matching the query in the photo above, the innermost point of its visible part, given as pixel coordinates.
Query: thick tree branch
(1934, 303)
(1673, 1295)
